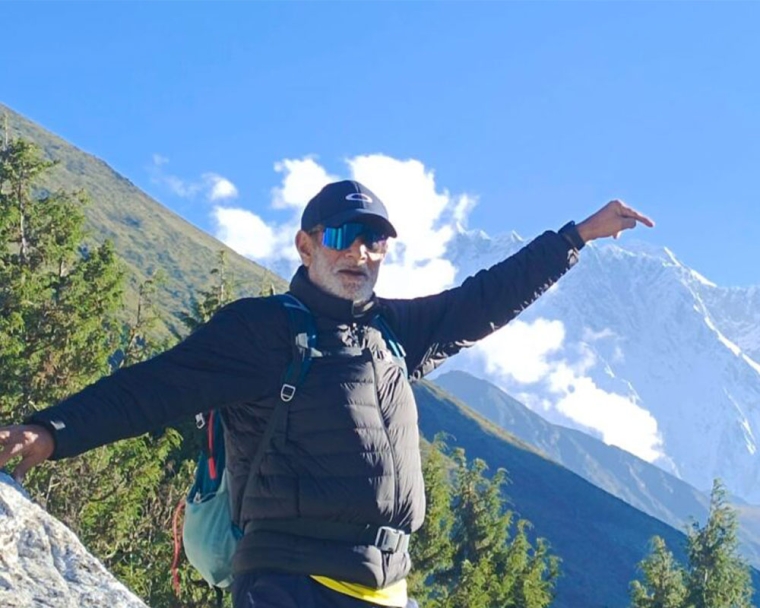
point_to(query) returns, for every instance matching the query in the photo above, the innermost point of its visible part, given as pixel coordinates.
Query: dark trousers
(270, 590)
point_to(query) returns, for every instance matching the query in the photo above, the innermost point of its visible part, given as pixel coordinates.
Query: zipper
(387, 435)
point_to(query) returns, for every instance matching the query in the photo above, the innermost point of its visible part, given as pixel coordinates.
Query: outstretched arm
(226, 361)
(435, 327)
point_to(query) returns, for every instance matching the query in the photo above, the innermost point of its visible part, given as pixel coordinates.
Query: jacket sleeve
(222, 363)
(435, 327)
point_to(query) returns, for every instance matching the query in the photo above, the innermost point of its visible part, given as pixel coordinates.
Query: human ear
(305, 247)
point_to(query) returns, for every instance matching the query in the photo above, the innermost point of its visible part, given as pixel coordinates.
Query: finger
(639, 217)
(9, 451)
(22, 468)
(7, 448)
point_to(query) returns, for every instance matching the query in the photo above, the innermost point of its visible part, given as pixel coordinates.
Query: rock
(43, 563)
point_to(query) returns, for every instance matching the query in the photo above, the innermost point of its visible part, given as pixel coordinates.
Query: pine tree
(58, 299)
(490, 566)
(211, 300)
(432, 548)
(663, 580)
(139, 341)
(58, 302)
(717, 577)
(57, 296)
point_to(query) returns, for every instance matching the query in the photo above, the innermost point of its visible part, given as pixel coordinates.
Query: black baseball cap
(346, 201)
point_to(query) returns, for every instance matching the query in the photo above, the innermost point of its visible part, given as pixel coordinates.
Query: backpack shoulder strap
(303, 338)
(398, 352)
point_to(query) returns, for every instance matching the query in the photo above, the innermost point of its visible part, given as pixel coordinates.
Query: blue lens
(342, 237)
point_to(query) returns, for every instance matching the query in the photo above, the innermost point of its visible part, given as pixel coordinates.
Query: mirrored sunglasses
(342, 237)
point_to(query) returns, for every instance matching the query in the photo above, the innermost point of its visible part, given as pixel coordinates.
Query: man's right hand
(33, 443)
(611, 220)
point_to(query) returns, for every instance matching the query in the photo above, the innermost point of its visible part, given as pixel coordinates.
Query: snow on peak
(701, 279)
(666, 340)
(723, 340)
(672, 257)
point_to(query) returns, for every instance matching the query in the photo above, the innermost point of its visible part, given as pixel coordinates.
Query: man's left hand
(611, 220)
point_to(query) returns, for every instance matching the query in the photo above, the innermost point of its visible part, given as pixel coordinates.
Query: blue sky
(539, 111)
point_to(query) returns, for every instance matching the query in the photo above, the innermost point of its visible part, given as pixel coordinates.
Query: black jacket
(349, 451)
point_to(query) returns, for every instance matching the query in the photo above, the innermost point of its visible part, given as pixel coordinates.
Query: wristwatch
(570, 233)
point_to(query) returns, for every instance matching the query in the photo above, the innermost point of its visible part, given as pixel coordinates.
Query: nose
(358, 249)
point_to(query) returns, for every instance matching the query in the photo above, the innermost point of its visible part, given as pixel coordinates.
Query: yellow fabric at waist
(393, 595)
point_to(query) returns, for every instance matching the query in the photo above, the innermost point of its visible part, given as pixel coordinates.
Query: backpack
(210, 534)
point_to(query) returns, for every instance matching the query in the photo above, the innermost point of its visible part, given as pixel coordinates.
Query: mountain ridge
(147, 235)
(640, 325)
(633, 480)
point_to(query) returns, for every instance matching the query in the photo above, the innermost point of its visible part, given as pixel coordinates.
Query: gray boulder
(42, 562)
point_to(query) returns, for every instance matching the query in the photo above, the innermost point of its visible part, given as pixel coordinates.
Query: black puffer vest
(348, 452)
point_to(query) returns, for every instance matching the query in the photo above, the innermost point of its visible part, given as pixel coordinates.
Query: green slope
(640, 484)
(146, 235)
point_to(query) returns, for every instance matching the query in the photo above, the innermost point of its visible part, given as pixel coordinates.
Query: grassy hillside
(599, 537)
(147, 236)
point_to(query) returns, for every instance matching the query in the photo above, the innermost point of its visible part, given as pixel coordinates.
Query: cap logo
(359, 196)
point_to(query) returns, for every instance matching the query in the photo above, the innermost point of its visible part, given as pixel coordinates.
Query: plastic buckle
(200, 421)
(287, 392)
(388, 539)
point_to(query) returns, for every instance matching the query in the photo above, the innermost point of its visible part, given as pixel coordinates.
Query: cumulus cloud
(532, 362)
(620, 421)
(520, 350)
(245, 232)
(424, 215)
(212, 186)
(302, 179)
(219, 188)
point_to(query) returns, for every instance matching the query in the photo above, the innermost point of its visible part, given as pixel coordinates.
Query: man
(328, 519)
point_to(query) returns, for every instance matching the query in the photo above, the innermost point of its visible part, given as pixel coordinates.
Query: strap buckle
(287, 392)
(390, 540)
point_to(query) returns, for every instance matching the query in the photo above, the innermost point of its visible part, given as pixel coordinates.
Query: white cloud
(465, 204)
(178, 186)
(589, 335)
(424, 217)
(532, 362)
(245, 232)
(212, 185)
(520, 350)
(303, 178)
(219, 188)
(620, 421)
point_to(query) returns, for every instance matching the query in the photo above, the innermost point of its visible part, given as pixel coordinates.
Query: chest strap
(385, 538)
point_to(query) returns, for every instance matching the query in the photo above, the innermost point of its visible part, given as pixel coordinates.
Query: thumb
(628, 223)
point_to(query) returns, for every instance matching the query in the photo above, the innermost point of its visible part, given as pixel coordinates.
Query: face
(349, 273)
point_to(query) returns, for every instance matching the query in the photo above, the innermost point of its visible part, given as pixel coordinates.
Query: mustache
(354, 270)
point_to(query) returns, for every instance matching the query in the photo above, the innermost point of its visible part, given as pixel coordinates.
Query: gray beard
(328, 281)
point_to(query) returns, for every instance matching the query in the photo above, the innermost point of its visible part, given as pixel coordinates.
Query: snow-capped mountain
(651, 356)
